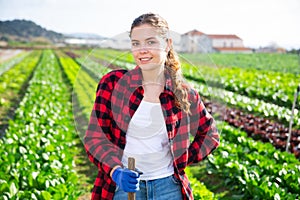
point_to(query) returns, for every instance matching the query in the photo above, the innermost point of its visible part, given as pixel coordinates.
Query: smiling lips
(145, 60)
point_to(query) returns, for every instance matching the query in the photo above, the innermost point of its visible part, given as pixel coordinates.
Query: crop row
(248, 104)
(11, 85)
(12, 61)
(19, 71)
(84, 87)
(274, 87)
(200, 191)
(84, 75)
(257, 127)
(36, 155)
(254, 169)
(95, 69)
(285, 63)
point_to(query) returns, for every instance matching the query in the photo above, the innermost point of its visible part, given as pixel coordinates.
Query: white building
(196, 41)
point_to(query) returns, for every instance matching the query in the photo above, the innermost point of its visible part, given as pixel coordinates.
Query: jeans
(168, 188)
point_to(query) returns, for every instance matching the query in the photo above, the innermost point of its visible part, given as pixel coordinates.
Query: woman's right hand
(126, 179)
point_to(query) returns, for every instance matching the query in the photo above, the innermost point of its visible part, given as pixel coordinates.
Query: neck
(154, 76)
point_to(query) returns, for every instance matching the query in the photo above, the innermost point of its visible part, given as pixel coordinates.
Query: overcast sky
(257, 22)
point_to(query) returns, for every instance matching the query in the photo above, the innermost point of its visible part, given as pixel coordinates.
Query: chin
(150, 66)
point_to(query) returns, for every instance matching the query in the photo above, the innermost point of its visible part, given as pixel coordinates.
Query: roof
(194, 32)
(215, 36)
(212, 36)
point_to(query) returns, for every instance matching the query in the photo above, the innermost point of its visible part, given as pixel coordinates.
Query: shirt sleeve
(203, 128)
(102, 137)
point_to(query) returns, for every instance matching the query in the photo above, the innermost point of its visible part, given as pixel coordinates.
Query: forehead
(143, 32)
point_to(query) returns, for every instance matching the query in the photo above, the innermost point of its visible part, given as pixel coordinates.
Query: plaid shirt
(118, 96)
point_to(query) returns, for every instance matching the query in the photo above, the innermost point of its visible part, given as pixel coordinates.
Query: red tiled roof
(215, 36)
(194, 32)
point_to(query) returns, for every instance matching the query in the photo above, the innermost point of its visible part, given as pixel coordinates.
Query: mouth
(145, 59)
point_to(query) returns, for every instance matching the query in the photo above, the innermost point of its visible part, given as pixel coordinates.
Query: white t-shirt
(147, 142)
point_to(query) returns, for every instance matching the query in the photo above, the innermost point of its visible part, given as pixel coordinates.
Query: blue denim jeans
(168, 188)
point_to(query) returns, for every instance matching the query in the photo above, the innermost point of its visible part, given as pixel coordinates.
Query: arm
(203, 128)
(102, 136)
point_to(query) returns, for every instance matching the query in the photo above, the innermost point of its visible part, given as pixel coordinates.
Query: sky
(257, 22)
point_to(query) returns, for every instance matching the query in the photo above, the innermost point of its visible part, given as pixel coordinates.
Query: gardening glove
(126, 179)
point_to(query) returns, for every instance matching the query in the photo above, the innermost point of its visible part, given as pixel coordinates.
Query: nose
(143, 49)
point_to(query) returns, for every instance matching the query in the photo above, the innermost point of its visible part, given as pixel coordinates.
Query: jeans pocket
(175, 180)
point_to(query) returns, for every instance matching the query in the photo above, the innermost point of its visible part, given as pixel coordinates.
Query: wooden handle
(131, 166)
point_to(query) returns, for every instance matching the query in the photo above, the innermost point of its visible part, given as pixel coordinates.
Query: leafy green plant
(285, 63)
(6, 65)
(13, 81)
(273, 87)
(200, 191)
(36, 155)
(256, 169)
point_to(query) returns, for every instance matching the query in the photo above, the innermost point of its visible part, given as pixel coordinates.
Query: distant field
(286, 63)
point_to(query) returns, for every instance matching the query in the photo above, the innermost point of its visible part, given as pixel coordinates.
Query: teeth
(145, 59)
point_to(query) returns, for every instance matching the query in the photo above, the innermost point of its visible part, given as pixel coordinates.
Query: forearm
(203, 144)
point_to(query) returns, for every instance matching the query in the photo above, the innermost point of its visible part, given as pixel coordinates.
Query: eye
(134, 44)
(151, 42)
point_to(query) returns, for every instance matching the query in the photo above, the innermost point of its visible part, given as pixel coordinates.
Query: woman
(148, 113)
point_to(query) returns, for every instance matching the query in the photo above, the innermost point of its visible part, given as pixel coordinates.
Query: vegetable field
(46, 97)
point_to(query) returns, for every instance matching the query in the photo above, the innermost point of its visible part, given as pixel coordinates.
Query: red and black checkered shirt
(118, 96)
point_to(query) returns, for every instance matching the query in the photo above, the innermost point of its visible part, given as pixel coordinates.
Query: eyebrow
(150, 38)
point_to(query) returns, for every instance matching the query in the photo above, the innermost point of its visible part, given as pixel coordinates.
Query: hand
(126, 179)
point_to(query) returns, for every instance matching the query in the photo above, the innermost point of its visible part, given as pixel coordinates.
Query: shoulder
(108, 81)
(114, 75)
(194, 96)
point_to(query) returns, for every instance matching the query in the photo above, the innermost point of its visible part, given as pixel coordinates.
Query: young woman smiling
(148, 113)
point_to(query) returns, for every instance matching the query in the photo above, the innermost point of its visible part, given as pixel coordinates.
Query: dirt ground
(6, 54)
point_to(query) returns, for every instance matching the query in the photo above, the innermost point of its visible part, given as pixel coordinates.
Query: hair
(172, 64)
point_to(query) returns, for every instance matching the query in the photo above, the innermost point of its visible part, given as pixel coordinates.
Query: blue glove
(126, 179)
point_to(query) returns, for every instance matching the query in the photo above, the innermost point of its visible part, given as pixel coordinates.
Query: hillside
(27, 31)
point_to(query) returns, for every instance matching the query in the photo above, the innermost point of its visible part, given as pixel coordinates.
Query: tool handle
(131, 166)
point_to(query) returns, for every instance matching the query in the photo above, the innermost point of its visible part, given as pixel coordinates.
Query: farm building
(190, 42)
(196, 41)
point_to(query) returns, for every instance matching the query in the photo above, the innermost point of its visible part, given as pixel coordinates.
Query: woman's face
(149, 49)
